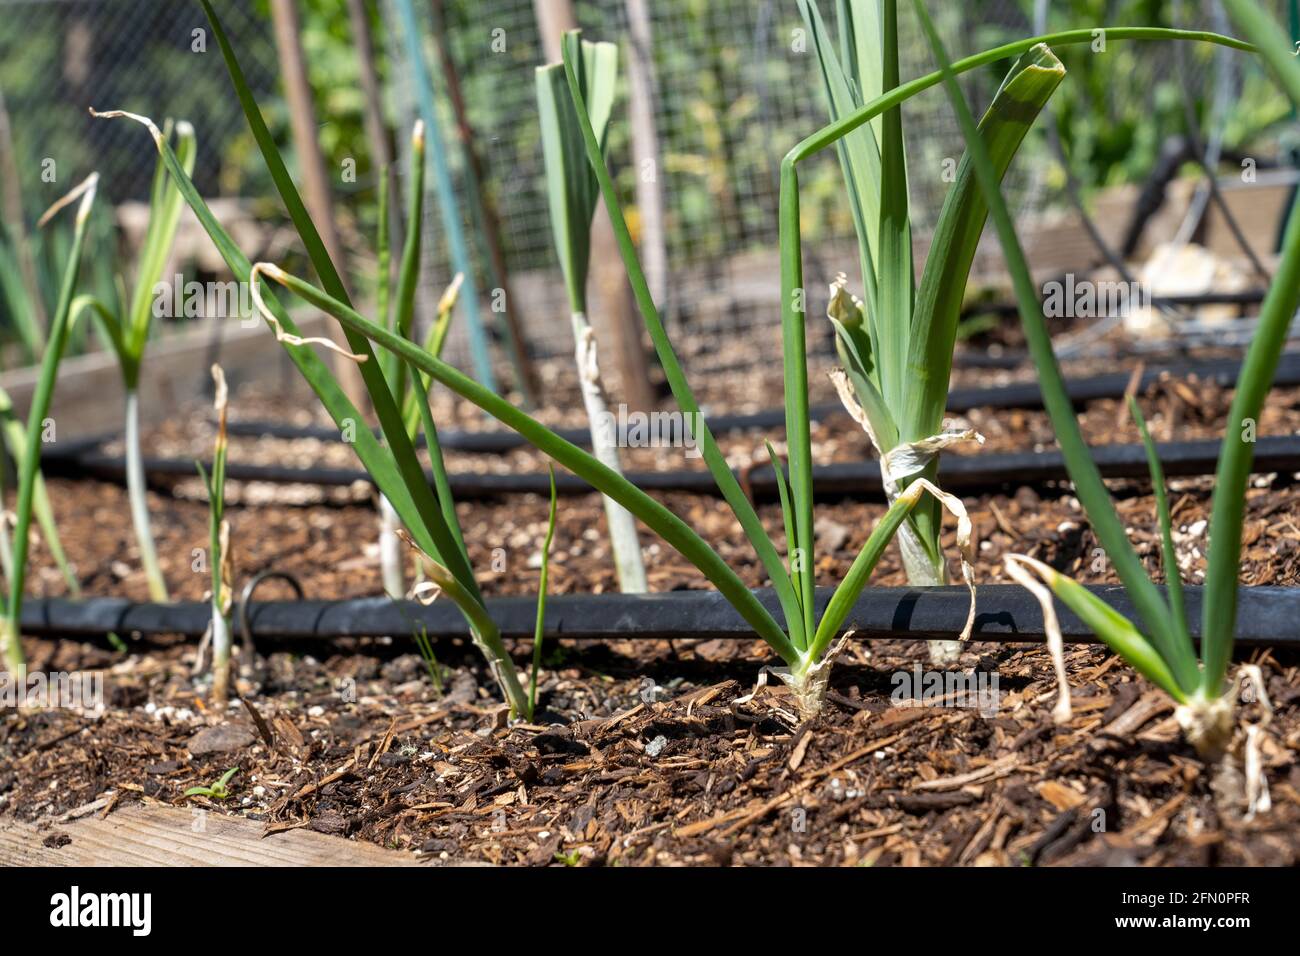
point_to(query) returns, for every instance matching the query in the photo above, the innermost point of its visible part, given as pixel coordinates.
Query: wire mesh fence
(734, 87)
(59, 57)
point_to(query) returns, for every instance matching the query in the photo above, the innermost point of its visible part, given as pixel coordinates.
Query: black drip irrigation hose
(1007, 613)
(1017, 395)
(851, 480)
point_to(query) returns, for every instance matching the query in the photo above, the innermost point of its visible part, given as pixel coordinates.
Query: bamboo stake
(316, 185)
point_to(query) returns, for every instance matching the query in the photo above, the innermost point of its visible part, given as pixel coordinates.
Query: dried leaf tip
(1032, 575)
(143, 120)
(222, 395)
(84, 190)
(440, 579)
(268, 269)
(448, 300)
(965, 540)
(417, 135)
(220, 402)
(275, 273)
(88, 199)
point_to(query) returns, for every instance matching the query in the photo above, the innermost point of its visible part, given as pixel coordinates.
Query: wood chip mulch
(642, 755)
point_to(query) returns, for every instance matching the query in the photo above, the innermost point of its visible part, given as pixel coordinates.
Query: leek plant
(1159, 645)
(128, 333)
(572, 192)
(896, 343)
(219, 557)
(29, 465)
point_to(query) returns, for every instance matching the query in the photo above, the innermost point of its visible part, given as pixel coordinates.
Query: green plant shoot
(572, 193)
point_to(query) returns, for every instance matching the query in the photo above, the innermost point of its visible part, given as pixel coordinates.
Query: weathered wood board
(166, 836)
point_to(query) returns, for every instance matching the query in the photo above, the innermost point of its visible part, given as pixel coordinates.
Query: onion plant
(572, 192)
(804, 638)
(128, 333)
(427, 512)
(219, 557)
(400, 317)
(793, 298)
(896, 343)
(1159, 644)
(29, 466)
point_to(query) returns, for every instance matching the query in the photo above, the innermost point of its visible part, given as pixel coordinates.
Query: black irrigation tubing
(1006, 613)
(1019, 395)
(853, 480)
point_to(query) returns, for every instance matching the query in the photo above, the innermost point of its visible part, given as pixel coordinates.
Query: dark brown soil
(651, 760)
(643, 754)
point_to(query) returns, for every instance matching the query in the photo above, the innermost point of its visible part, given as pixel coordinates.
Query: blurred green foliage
(1117, 107)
